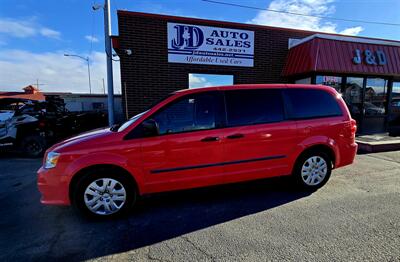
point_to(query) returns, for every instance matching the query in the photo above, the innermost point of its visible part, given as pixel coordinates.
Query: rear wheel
(312, 170)
(104, 194)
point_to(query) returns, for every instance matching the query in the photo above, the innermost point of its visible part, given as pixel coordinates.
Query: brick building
(158, 53)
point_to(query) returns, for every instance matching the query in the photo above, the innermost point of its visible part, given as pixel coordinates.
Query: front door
(375, 106)
(257, 139)
(188, 150)
(394, 115)
(353, 96)
(366, 99)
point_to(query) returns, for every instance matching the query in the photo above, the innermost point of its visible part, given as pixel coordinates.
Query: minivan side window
(311, 103)
(192, 112)
(253, 106)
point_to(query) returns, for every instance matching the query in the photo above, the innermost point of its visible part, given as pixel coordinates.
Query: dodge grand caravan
(202, 137)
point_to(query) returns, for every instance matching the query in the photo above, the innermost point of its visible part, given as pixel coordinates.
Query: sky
(35, 34)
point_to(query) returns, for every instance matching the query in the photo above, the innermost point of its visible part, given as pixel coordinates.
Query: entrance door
(394, 116)
(375, 105)
(367, 102)
(353, 96)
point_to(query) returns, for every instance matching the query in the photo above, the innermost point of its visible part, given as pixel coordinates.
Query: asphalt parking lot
(355, 217)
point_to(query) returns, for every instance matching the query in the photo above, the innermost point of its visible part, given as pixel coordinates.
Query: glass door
(353, 96)
(375, 105)
(367, 99)
(394, 115)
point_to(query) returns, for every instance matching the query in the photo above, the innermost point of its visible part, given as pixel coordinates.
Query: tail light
(353, 127)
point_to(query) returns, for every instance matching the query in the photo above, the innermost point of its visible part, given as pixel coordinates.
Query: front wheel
(33, 146)
(104, 195)
(312, 170)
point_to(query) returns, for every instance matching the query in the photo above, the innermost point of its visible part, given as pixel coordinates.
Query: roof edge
(355, 39)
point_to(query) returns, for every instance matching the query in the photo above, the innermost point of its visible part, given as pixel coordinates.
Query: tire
(33, 146)
(105, 201)
(312, 170)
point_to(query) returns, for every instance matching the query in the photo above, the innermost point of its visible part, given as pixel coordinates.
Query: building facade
(159, 54)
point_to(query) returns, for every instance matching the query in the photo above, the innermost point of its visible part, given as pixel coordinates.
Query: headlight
(51, 159)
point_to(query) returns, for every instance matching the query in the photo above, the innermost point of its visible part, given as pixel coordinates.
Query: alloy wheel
(314, 170)
(105, 196)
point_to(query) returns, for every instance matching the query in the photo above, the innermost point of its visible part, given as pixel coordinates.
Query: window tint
(247, 107)
(311, 104)
(193, 112)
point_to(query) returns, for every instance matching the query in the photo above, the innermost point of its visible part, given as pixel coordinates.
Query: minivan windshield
(131, 121)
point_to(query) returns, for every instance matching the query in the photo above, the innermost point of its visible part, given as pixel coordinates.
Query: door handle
(210, 139)
(235, 136)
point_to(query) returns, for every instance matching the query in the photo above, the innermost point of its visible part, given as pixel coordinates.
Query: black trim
(156, 171)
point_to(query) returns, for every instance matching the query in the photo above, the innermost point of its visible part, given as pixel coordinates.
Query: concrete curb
(378, 146)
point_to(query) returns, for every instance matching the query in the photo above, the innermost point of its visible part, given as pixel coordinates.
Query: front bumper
(53, 186)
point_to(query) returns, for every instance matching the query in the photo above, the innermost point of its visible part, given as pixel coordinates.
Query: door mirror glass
(150, 128)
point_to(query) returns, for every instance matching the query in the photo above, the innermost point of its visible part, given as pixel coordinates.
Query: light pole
(107, 40)
(88, 68)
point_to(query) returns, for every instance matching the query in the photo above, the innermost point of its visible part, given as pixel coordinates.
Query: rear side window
(248, 107)
(311, 103)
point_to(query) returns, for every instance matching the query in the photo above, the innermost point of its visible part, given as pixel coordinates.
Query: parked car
(30, 126)
(202, 137)
(21, 129)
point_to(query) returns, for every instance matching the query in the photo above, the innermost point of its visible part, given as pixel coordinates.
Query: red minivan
(202, 137)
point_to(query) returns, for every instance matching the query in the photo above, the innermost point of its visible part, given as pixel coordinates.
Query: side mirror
(150, 128)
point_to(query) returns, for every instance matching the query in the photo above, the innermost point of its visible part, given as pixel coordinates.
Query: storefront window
(303, 81)
(352, 95)
(333, 81)
(375, 96)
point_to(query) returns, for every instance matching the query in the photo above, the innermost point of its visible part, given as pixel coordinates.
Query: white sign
(194, 44)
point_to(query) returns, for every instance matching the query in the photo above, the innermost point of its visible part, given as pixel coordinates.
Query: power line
(300, 14)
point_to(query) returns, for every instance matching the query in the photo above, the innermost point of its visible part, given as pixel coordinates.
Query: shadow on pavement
(36, 232)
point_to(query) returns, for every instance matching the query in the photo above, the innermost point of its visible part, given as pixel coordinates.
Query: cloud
(16, 28)
(19, 68)
(352, 30)
(308, 7)
(25, 28)
(47, 32)
(91, 38)
(198, 81)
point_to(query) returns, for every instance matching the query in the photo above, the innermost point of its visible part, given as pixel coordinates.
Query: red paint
(334, 56)
(115, 42)
(141, 156)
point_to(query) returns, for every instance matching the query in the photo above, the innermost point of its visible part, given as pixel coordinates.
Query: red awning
(339, 55)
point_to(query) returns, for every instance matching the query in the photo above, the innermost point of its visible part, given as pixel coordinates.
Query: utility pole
(104, 87)
(107, 39)
(38, 84)
(110, 87)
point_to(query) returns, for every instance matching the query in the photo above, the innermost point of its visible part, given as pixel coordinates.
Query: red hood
(79, 140)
